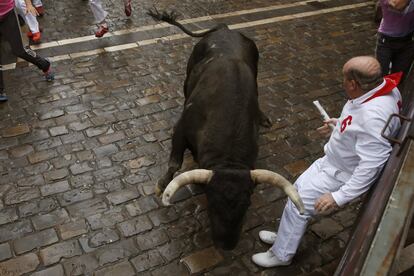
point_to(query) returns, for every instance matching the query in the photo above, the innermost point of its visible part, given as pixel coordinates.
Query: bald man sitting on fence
(354, 156)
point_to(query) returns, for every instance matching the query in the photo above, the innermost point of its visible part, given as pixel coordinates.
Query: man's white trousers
(318, 179)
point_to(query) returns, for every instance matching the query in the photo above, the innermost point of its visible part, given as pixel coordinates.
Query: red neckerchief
(391, 81)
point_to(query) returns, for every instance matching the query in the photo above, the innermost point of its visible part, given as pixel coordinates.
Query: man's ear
(354, 84)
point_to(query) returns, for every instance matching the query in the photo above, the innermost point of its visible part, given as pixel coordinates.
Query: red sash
(391, 81)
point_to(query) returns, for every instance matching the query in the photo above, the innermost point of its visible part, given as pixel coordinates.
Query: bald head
(365, 71)
(367, 65)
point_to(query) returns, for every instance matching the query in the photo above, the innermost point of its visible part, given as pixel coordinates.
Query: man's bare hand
(325, 130)
(30, 9)
(398, 4)
(325, 203)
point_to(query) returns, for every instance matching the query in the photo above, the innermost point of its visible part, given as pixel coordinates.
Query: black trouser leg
(383, 53)
(403, 57)
(1, 71)
(399, 53)
(10, 31)
(1, 79)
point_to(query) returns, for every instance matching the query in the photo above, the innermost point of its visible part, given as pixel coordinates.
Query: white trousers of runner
(318, 179)
(29, 18)
(98, 11)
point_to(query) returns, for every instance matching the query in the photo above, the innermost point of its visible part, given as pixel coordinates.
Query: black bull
(220, 126)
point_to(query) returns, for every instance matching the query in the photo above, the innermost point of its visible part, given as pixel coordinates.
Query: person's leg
(1, 79)
(291, 230)
(317, 180)
(383, 53)
(10, 31)
(20, 10)
(128, 8)
(98, 11)
(3, 96)
(39, 7)
(100, 15)
(292, 225)
(30, 20)
(403, 58)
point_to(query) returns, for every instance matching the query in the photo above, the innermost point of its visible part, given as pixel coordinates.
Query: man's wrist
(338, 198)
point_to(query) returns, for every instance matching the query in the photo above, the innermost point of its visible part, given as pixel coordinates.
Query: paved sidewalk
(79, 157)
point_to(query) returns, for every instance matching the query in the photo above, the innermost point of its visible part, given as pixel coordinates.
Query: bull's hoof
(266, 122)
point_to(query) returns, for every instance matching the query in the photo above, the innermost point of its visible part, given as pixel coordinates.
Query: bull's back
(222, 111)
(232, 43)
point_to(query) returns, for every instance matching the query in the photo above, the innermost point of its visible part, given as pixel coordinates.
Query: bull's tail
(171, 18)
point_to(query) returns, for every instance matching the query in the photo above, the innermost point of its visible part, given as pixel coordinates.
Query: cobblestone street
(79, 157)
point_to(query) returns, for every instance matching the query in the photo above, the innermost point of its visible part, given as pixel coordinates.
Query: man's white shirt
(356, 146)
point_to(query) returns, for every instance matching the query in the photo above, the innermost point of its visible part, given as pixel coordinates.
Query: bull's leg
(264, 121)
(173, 166)
(176, 158)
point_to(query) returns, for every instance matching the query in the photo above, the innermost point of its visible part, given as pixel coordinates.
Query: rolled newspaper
(323, 113)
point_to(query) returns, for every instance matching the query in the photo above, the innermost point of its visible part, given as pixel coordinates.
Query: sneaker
(40, 10)
(128, 8)
(102, 29)
(49, 75)
(35, 38)
(3, 97)
(268, 237)
(268, 259)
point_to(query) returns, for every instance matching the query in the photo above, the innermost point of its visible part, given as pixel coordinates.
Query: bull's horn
(265, 176)
(199, 176)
